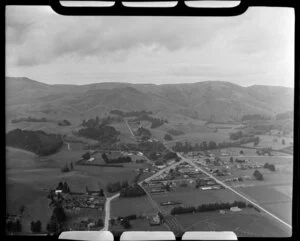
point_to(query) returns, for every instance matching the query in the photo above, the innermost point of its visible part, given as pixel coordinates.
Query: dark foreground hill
(211, 100)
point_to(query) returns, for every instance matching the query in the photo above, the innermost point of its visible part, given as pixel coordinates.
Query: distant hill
(210, 100)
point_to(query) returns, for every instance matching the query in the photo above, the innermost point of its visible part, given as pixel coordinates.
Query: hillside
(210, 100)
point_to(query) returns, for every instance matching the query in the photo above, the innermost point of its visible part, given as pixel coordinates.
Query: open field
(272, 141)
(128, 206)
(125, 134)
(196, 197)
(246, 223)
(271, 199)
(197, 137)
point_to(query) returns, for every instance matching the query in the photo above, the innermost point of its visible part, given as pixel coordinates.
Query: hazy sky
(254, 48)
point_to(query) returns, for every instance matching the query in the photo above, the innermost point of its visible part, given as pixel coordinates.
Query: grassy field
(196, 197)
(129, 206)
(247, 223)
(271, 199)
(272, 141)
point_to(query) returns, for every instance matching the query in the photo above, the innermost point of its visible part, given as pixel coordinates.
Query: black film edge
(119, 9)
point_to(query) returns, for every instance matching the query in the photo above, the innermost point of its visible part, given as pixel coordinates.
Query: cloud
(257, 45)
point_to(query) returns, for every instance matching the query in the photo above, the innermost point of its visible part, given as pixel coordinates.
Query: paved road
(236, 192)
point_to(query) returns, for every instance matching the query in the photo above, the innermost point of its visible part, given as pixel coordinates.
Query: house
(235, 209)
(154, 220)
(140, 154)
(206, 188)
(91, 159)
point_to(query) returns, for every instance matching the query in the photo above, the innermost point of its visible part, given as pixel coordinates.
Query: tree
(36, 226)
(101, 193)
(168, 137)
(258, 176)
(22, 209)
(241, 152)
(72, 168)
(283, 142)
(231, 159)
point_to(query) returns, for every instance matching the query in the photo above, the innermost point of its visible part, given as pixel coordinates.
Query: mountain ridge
(224, 101)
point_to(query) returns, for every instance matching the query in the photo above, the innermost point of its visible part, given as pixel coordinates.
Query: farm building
(154, 220)
(235, 209)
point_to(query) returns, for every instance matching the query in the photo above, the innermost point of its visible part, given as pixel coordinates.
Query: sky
(254, 48)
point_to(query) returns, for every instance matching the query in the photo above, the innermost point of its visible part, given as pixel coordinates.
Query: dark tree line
(208, 207)
(175, 132)
(203, 146)
(64, 123)
(120, 159)
(116, 186)
(13, 226)
(38, 142)
(102, 133)
(132, 191)
(155, 122)
(130, 113)
(36, 227)
(271, 167)
(29, 119)
(254, 117)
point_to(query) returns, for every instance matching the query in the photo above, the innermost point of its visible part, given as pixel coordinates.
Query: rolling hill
(210, 100)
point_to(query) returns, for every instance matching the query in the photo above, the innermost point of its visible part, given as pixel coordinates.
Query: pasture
(271, 199)
(196, 197)
(246, 223)
(139, 206)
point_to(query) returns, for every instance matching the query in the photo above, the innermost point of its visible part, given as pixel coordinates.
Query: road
(107, 211)
(129, 128)
(233, 190)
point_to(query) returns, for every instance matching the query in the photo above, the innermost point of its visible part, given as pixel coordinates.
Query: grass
(268, 197)
(196, 197)
(128, 206)
(247, 223)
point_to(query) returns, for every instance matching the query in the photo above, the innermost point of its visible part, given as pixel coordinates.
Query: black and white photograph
(149, 123)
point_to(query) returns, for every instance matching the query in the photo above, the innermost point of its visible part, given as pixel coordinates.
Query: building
(154, 220)
(235, 209)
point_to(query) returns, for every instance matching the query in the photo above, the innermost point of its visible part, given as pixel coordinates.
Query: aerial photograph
(135, 123)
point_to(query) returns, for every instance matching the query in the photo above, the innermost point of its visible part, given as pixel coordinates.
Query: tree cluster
(155, 122)
(36, 227)
(175, 132)
(254, 117)
(13, 226)
(132, 191)
(258, 176)
(102, 133)
(116, 186)
(120, 159)
(271, 167)
(64, 123)
(207, 207)
(130, 113)
(168, 137)
(38, 142)
(64, 187)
